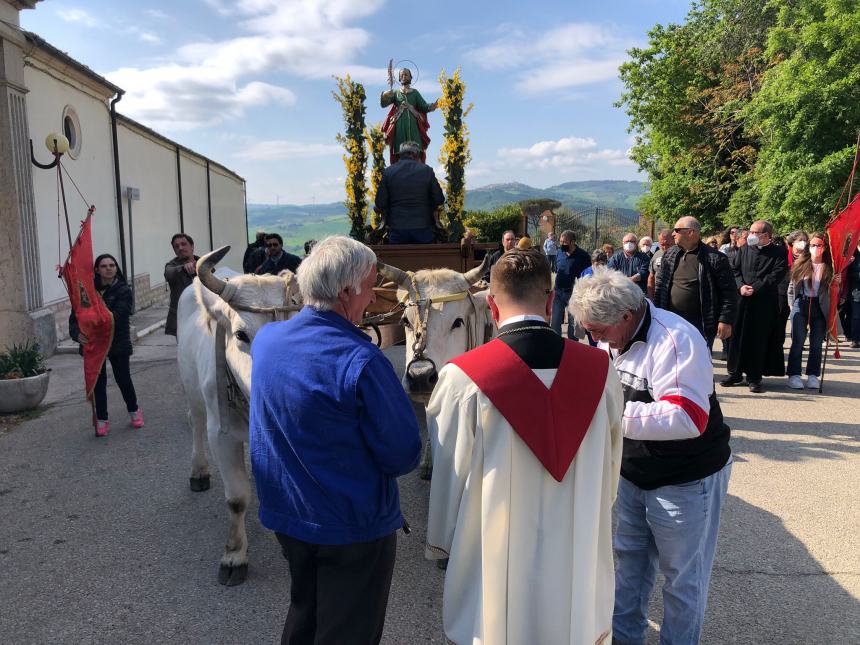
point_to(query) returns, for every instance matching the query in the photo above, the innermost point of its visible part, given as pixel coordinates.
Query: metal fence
(593, 226)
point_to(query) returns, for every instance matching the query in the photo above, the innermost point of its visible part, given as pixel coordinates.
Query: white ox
(443, 319)
(240, 305)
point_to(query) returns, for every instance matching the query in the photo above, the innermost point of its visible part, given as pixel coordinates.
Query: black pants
(339, 593)
(122, 374)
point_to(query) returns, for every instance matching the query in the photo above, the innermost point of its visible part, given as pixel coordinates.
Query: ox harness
(422, 317)
(233, 399)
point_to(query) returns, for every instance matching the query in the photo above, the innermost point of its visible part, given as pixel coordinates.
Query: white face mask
(630, 246)
(799, 246)
(752, 239)
(816, 251)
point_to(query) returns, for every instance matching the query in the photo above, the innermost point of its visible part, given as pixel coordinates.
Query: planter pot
(19, 394)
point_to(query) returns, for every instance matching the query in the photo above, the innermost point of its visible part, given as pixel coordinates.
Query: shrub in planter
(21, 361)
(23, 378)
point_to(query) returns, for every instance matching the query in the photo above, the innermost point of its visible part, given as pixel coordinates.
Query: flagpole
(824, 365)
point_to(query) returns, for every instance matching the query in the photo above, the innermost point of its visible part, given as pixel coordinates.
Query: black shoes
(732, 380)
(855, 344)
(755, 387)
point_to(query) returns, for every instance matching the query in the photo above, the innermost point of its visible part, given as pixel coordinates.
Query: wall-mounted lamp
(56, 144)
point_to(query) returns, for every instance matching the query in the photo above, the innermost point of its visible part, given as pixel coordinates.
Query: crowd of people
(522, 497)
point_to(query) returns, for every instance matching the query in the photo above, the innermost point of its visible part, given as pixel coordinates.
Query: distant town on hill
(297, 223)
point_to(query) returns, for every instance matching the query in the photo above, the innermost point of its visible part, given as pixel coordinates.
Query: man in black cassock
(756, 347)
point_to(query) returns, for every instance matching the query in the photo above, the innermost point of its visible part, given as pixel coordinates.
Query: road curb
(146, 331)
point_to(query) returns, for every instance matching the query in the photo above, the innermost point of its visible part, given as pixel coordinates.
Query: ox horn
(393, 274)
(473, 275)
(205, 266)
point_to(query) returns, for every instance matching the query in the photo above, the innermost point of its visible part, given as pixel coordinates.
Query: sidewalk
(143, 323)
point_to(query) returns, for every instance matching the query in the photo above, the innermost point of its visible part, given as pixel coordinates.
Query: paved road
(102, 541)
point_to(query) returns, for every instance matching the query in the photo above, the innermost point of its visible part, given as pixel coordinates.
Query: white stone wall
(148, 164)
(195, 207)
(92, 171)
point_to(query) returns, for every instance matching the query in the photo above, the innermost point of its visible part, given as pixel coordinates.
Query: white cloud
(157, 14)
(570, 55)
(209, 82)
(568, 152)
(79, 16)
(282, 149)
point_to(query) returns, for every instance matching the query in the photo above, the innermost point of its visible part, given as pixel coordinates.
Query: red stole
(552, 422)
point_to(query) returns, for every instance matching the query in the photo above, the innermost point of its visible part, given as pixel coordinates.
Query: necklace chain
(529, 328)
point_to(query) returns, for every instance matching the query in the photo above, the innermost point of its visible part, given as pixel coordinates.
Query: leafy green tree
(490, 225)
(808, 111)
(685, 94)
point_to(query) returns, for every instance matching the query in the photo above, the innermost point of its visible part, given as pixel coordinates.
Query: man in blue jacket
(330, 431)
(632, 263)
(570, 262)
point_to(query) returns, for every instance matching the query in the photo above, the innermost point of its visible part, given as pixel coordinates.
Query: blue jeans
(675, 528)
(410, 236)
(806, 313)
(559, 308)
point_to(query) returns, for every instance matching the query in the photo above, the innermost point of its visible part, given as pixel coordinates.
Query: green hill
(297, 224)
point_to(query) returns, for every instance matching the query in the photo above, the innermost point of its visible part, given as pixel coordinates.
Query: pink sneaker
(102, 428)
(136, 419)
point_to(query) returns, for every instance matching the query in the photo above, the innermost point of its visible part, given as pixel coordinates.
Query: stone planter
(19, 394)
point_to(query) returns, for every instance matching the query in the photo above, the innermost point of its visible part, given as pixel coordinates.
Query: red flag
(844, 232)
(94, 318)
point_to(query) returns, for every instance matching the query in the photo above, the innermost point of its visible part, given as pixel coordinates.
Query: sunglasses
(679, 230)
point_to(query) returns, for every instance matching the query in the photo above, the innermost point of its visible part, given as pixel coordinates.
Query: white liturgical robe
(530, 557)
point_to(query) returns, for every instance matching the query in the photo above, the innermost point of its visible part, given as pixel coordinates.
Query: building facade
(43, 91)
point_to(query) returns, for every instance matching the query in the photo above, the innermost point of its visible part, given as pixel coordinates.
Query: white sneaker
(795, 383)
(813, 382)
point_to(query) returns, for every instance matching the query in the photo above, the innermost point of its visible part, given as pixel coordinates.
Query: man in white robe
(527, 449)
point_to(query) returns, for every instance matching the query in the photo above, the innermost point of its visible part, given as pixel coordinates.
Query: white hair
(335, 263)
(604, 297)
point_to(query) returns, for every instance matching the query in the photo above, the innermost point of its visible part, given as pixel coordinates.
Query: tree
(454, 154)
(490, 225)
(685, 94)
(351, 97)
(808, 111)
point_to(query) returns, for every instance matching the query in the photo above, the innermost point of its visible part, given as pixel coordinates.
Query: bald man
(696, 282)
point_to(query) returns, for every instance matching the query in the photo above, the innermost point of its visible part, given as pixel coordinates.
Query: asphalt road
(101, 541)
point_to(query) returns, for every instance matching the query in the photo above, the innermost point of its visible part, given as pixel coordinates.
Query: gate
(593, 226)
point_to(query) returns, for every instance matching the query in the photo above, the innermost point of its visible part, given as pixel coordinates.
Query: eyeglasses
(816, 246)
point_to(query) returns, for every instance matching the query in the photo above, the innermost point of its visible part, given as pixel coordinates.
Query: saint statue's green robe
(406, 120)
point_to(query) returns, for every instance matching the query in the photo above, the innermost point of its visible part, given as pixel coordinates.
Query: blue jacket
(629, 266)
(568, 268)
(330, 430)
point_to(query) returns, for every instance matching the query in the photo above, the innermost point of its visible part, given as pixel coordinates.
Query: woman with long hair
(116, 293)
(809, 300)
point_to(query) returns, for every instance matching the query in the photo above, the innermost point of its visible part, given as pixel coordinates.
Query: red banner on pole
(844, 233)
(94, 318)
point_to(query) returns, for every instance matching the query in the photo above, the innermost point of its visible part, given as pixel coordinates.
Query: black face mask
(565, 247)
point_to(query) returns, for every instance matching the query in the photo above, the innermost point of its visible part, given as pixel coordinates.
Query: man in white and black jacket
(676, 460)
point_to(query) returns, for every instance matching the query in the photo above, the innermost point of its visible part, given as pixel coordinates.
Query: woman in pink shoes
(116, 293)
(809, 299)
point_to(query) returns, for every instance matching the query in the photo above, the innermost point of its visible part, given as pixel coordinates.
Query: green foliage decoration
(376, 144)
(351, 97)
(454, 154)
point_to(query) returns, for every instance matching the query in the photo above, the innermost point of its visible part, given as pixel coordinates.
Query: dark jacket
(118, 299)
(179, 280)
(717, 289)
(254, 256)
(286, 261)
(408, 195)
(631, 265)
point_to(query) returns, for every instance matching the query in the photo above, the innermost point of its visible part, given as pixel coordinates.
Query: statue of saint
(407, 118)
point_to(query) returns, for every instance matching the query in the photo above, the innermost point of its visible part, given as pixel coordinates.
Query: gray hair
(334, 264)
(570, 235)
(410, 148)
(604, 297)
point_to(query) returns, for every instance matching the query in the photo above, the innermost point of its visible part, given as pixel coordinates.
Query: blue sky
(248, 82)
